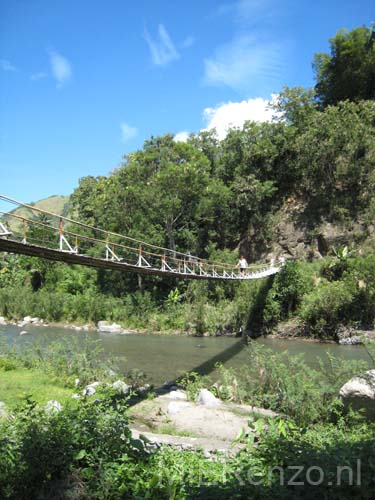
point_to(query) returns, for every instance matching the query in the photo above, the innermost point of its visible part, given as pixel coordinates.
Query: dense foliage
(349, 72)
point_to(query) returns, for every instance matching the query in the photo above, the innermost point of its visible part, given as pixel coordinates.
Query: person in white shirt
(242, 264)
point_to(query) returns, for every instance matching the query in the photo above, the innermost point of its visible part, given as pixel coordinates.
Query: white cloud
(162, 49)
(249, 12)
(235, 114)
(7, 66)
(245, 64)
(188, 42)
(128, 132)
(61, 68)
(181, 136)
(38, 76)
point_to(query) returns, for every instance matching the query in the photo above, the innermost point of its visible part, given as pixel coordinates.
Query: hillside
(57, 204)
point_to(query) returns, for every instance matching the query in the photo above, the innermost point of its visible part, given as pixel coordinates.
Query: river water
(162, 357)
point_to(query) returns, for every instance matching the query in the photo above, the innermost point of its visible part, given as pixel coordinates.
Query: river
(162, 357)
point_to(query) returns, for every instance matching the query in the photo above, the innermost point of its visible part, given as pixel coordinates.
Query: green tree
(349, 71)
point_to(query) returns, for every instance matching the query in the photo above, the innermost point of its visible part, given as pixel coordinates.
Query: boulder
(206, 398)
(88, 391)
(178, 394)
(177, 406)
(27, 319)
(2, 321)
(95, 384)
(106, 327)
(355, 340)
(121, 387)
(359, 394)
(34, 320)
(53, 406)
(24, 332)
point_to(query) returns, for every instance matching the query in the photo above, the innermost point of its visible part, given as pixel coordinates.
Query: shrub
(285, 294)
(327, 306)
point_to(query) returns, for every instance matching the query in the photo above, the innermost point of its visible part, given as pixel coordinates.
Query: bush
(286, 384)
(285, 294)
(326, 307)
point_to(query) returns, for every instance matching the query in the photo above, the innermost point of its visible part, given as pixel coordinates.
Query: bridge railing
(46, 229)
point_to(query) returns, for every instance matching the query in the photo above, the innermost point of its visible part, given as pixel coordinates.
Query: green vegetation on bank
(320, 296)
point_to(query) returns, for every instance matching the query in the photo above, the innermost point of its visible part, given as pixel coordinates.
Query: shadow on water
(204, 368)
(208, 366)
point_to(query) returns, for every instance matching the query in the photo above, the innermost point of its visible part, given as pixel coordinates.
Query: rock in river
(105, 326)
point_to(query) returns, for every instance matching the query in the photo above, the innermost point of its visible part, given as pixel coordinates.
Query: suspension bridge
(54, 237)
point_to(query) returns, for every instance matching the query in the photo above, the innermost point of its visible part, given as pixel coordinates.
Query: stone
(121, 387)
(3, 411)
(106, 327)
(143, 389)
(88, 391)
(355, 340)
(27, 319)
(77, 382)
(206, 398)
(359, 394)
(95, 384)
(53, 406)
(177, 406)
(22, 324)
(178, 395)
(34, 320)
(2, 321)
(24, 332)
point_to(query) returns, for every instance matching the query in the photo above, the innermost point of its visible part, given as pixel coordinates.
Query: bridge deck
(13, 246)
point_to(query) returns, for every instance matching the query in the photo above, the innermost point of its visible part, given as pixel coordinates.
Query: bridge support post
(63, 240)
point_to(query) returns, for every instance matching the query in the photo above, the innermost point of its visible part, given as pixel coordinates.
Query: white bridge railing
(48, 230)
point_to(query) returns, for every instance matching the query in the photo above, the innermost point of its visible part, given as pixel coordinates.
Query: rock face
(206, 398)
(359, 393)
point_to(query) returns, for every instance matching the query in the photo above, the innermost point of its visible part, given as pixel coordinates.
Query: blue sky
(84, 82)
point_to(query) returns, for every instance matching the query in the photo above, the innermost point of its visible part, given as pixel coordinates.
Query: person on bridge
(242, 264)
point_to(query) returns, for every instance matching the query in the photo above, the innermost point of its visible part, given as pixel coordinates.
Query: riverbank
(213, 432)
(288, 330)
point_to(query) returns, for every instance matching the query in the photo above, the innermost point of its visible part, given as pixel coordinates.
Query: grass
(16, 384)
(172, 430)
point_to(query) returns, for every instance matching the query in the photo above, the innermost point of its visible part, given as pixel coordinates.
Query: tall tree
(349, 71)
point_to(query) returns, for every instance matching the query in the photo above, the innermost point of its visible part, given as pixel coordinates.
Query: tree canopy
(349, 71)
